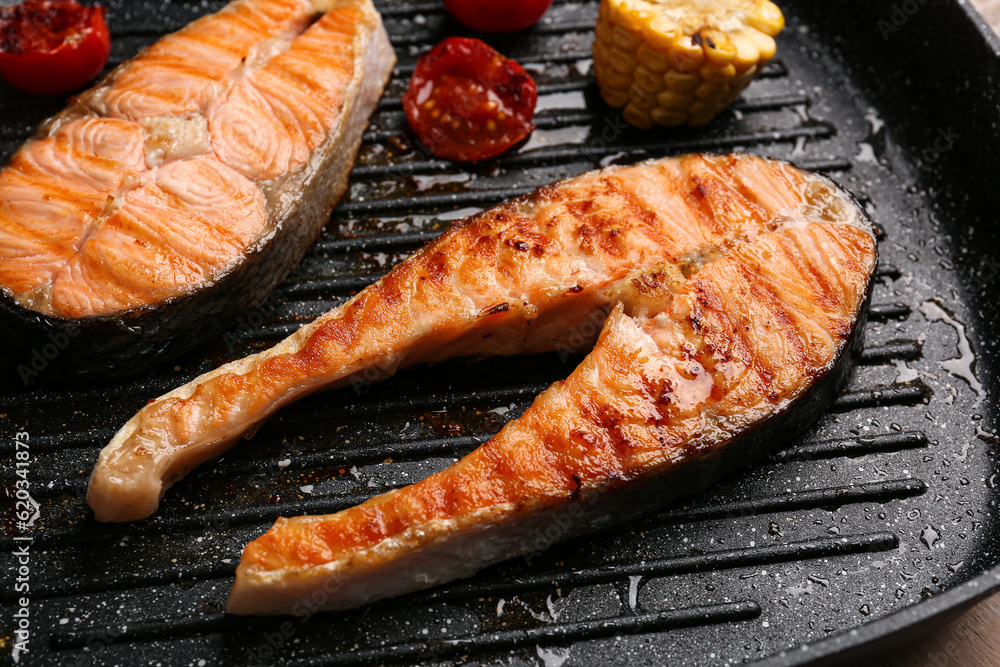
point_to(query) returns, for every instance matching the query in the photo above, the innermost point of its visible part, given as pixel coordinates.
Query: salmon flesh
(179, 191)
(732, 291)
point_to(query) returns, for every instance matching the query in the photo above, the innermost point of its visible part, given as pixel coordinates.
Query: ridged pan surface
(886, 505)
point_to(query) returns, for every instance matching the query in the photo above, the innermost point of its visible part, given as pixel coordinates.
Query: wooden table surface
(991, 10)
(973, 639)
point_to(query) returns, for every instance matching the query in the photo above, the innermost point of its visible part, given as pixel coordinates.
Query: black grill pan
(874, 524)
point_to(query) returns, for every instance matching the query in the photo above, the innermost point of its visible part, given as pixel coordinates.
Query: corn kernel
(719, 50)
(747, 53)
(614, 97)
(653, 60)
(699, 120)
(616, 79)
(614, 11)
(699, 108)
(631, 18)
(638, 117)
(672, 100)
(768, 19)
(641, 98)
(648, 80)
(741, 81)
(717, 74)
(669, 117)
(712, 92)
(686, 55)
(600, 54)
(765, 43)
(661, 33)
(602, 31)
(681, 82)
(754, 71)
(623, 61)
(625, 39)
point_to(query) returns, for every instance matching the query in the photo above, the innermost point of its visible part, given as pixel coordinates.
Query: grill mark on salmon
(482, 288)
(185, 222)
(164, 183)
(183, 71)
(272, 120)
(52, 189)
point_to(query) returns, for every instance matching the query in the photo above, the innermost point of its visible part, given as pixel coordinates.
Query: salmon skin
(178, 192)
(740, 285)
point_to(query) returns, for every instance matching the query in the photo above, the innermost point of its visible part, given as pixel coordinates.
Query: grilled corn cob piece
(675, 62)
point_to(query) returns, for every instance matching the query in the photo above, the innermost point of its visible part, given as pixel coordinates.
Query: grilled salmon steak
(182, 188)
(738, 288)
(740, 328)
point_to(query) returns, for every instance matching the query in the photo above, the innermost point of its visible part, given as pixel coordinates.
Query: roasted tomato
(49, 47)
(467, 102)
(497, 15)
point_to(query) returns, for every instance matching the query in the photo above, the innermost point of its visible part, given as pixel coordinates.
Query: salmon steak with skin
(182, 188)
(732, 291)
(734, 336)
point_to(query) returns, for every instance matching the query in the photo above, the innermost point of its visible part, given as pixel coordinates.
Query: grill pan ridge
(875, 522)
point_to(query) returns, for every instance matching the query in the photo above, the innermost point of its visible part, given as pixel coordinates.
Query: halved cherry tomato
(498, 15)
(49, 47)
(467, 102)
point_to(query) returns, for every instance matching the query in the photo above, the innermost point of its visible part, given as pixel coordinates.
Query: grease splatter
(960, 366)
(633, 590)
(552, 657)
